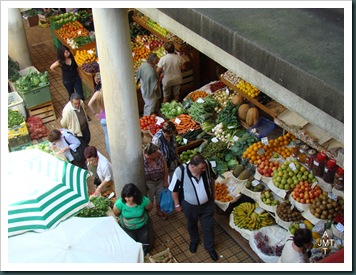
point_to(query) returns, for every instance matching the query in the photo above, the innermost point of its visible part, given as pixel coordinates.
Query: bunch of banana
(246, 217)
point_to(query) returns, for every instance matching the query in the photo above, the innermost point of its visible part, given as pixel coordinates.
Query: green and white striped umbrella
(47, 191)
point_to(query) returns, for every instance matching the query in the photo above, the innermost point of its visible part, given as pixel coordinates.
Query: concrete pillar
(17, 42)
(116, 67)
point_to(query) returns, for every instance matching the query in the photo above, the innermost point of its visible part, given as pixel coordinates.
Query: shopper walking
(156, 175)
(100, 168)
(63, 142)
(70, 77)
(150, 86)
(296, 249)
(198, 182)
(75, 119)
(132, 209)
(166, 142)
(170, 69)
(98, 100)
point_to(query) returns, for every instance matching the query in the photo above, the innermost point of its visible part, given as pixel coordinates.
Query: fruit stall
(268, 185)
(272, 164)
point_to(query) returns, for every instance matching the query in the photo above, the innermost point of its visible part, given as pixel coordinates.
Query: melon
(237, 100)
(252, 116)
(242, 111)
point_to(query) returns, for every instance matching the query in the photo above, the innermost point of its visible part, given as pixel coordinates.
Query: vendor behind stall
(99, 165)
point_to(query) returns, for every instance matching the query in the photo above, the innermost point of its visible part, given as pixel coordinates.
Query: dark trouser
(205, 213)
(75, 84)
(140, 235)
(86, 135)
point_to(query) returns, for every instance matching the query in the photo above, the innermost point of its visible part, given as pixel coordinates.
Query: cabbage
(232, 163)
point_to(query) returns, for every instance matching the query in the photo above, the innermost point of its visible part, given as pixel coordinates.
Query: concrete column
(17, 42)
(116, 67)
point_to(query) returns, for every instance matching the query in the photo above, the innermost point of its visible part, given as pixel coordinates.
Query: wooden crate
(45, 111)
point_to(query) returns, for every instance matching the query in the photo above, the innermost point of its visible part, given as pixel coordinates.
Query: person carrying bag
(69, 145)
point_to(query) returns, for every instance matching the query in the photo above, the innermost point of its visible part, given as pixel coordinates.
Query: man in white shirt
(103, 169)
(170, 67)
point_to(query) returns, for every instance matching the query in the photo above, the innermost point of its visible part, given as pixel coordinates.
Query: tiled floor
(170, 233)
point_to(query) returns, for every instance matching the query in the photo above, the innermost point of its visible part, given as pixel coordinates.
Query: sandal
(162, 215)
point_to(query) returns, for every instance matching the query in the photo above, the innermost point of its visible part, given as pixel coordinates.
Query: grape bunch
(262, 242)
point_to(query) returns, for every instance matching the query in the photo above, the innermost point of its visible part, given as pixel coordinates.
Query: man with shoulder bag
(196, 180)
(64, 142)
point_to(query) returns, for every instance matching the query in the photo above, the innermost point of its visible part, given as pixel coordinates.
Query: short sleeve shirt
(104, 169)
(171, 65)
(133, 217)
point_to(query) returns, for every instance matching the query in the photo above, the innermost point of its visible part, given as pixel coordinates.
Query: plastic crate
(262, 128)
(19, 141)
(16, 131)
(20, 147)
(36, 96)
(15, 102)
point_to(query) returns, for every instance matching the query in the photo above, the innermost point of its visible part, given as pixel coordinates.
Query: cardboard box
(32, 21)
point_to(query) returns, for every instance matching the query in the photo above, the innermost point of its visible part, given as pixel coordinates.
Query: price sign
(261, 151)
(191, 130)
(332, 196)
(90, 205)
(185, 140)
(258, 176)
(235, 138)
(200, 100)
(231, 127)
(264, 140)
(214, 140)
(255, 183)
(302, 225)
(177, 120)
(148, 47)
(231, 188)
(314, 184)
(259, 210)
(213, 163)
(292, 166)
(133, 54)
(340, 158)
(340, 227)
(227, 91)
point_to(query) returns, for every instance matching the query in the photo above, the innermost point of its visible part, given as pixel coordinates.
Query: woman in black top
(70, 76)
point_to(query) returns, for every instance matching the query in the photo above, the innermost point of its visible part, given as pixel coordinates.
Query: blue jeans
(105, 128)
(74, 85)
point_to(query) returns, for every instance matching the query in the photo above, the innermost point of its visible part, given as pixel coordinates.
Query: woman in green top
(132, 209)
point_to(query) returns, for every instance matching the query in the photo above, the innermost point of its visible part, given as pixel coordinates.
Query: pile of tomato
(150, 123)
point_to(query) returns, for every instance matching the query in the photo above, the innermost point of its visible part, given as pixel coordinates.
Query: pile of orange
(278, 145)
(140, 52)
(222, 193)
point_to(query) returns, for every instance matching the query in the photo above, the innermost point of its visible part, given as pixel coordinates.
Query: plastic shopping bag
(166, 203)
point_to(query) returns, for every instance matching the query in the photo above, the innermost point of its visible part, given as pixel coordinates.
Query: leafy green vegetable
(14, 119)
(231, 164)
(202, 111)
(31, 80)
(172, 109)
(100, 208)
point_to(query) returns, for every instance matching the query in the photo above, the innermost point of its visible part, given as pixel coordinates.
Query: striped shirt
(154, 173)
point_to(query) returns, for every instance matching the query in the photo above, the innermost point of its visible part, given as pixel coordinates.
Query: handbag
(166, 201)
